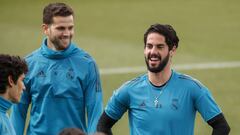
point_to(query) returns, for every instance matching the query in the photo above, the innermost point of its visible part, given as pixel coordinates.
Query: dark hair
(71, 131)
(56, 9)
(10, 66)
(167, 31)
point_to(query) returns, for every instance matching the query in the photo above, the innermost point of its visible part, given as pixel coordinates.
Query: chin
(64, 46)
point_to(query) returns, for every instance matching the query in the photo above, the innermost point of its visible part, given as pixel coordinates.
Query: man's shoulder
(135, 82)
(188, 80)
(32, 55)
(128, 89)
(82, 54)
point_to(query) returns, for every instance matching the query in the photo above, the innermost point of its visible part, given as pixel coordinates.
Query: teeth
(65, 39)
(154, 59)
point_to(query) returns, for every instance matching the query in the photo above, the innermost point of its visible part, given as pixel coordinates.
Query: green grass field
(112, 32)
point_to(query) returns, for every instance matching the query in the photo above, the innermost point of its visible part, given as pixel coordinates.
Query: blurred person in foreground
(12, 73)
(63, 83)
(163, 101)
(71, 131)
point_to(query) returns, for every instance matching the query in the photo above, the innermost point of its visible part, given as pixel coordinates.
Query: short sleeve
(206, 105)
(118, 103)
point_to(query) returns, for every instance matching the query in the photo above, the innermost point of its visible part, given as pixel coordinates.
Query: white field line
(194, 66)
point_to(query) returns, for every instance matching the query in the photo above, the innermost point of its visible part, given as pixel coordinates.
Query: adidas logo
(142, 105)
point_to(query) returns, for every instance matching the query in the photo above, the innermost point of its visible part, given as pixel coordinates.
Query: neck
(158, 79)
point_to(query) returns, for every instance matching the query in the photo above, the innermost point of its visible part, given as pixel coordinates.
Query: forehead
(63, 20)
(155, 37)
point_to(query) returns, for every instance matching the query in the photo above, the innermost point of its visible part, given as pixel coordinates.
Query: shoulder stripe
(186, 77)
(134, 80)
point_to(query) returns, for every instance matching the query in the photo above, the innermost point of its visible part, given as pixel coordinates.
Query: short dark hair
(10, 66)
(167, 31)
(56, 9)
(71, 131)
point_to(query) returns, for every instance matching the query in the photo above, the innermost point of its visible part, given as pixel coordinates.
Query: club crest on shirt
(70, 74)
(175, 104)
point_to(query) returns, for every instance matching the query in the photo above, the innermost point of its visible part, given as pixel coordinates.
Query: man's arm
(93, 98)
(105, 124)
(209, 110)
(219, 125)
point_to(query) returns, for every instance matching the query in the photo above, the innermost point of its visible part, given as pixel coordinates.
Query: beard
(59, 44)
(160, 67)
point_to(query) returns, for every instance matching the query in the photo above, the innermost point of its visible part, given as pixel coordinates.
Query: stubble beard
(59, 44)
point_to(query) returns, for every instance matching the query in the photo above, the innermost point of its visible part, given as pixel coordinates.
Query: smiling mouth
(154, 59)
(64, 39)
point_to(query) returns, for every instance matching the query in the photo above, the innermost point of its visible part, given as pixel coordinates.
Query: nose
(154, 50)
(66, 33)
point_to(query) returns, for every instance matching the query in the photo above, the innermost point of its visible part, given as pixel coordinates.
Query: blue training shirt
(173, 114)
(6, 127)
(63, 87)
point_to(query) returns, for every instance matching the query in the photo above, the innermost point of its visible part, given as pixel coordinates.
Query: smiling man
(12, 73)
(63, 83)
(163, 101)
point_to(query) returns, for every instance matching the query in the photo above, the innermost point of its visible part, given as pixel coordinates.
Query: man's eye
(149, 46)
(60, 28)
(70, 28)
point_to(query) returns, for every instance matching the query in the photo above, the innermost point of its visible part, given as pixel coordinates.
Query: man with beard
(63, 84)
(163, 101)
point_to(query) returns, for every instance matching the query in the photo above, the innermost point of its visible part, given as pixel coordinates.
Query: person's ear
(45, 29)
(173, 51)
(10, 81)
